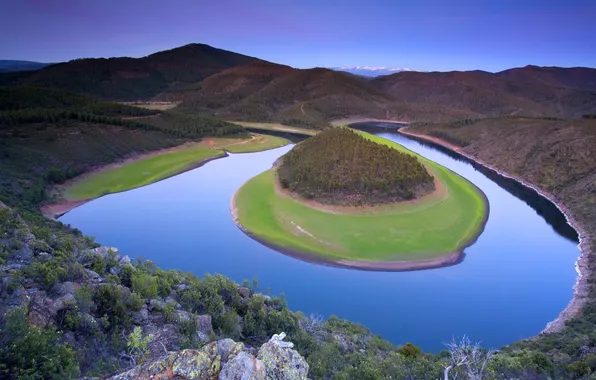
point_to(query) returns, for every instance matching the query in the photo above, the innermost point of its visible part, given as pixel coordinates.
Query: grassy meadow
(438, 224)
(153, 168)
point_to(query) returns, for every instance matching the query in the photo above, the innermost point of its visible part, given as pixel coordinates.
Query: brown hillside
(529, 91)
(136, 78)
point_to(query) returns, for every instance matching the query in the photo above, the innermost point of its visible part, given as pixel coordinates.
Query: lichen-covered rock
(224, 360)
(243, 367)
(282, 362)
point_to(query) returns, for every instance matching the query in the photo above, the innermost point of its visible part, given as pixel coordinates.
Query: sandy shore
(581, 287)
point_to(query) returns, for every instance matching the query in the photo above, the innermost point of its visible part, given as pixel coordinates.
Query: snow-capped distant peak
(370, 71)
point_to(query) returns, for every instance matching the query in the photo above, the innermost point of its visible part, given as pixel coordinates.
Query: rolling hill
(135, 78)
(238, 87)
(7, 65)
(528, 91)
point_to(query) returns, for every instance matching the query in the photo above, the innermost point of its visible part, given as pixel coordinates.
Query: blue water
(516, 278)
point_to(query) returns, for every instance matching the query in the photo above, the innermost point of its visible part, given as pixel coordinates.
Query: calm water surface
(514, 280)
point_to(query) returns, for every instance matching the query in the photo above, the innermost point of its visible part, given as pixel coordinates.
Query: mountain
(7, 65)
(238, 87)
(529, 91)
(270, 92)
(369, 71)
(135, 78)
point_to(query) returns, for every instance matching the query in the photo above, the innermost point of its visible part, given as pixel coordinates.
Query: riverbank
(148, 168)
(429, 232)
(581, 287)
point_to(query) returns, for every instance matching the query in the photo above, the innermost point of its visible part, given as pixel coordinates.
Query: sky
(419, 34)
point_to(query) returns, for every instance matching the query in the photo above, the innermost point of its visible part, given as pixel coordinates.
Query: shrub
(144, 284)
(30, 352)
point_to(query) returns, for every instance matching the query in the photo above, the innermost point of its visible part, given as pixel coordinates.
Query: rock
(165, 338)
(173, 301)
(182, 315)
(243, 366)
(204, 324)
(227, 348)
(155, 305)
(115, 270)
(280, 361)
(93, 276)
(44, 257)
(40, 312)
(224, 360)
(62, 303)
(244, 292)
(64, 288)
(103, 251)
(266, 297)
(24, 255)
(140, 317)
(124, 260)
(181, 287)
(14, 266)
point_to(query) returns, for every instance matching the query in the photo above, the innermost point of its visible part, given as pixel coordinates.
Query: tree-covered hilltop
(338, 166)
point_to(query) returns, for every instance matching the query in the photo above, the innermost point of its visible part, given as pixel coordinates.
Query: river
(516, 278)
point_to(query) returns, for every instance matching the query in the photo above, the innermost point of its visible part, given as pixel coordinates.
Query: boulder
(244, 292)
(155, 305)
(281, 361)
(64, 288)
(243, 366)
(224, 360)
(62, 303)
(124, 260)
(92, 276)
(204, 324)
(44, 257)
(140, 317)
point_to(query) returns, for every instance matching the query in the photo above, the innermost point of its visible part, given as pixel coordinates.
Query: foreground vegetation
(339, 166)
(440, 223)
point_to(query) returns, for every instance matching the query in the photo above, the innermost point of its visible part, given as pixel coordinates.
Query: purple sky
(419, 34)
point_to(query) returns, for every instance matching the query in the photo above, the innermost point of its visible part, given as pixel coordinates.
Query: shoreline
(581, 286)
(55, 210)
(444, 260)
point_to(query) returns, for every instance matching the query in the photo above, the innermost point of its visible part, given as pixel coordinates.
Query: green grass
(409, 231)
(152, 169)
(139, 173)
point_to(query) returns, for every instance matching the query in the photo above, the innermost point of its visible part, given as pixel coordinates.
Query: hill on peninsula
(339, 166)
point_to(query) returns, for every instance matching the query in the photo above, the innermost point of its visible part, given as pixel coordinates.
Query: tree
(469, 355)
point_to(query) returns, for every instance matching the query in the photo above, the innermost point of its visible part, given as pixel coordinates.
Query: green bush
(144, 284)
(47, 274)
(30, 352)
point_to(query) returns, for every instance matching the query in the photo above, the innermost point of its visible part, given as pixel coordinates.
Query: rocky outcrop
(225, 360)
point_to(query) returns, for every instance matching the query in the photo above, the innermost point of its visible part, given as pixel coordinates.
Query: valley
(143, 155)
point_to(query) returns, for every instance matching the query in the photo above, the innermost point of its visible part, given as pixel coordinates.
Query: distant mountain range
(7, 65)
(370, 71)
(233, 86)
